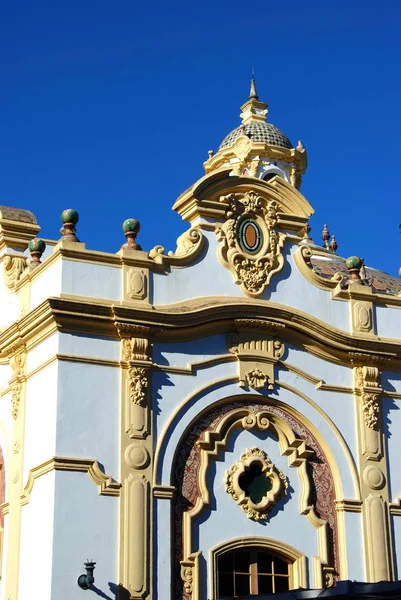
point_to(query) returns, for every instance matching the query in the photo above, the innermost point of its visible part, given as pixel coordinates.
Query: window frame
(296, 560)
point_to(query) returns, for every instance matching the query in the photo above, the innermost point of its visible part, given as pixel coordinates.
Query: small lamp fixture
(86, 581)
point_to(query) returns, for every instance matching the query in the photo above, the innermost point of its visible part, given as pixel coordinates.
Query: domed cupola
(257, 148)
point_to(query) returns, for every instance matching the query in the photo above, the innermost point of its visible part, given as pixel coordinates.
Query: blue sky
(110, 108)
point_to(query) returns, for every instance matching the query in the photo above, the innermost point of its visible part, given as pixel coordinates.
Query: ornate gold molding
(138, 383)
(257, 351)
(373, 473)
(251, 272)
(13, 267)
(136, 453)
(189, 247)
(17, 363)
(216, 441)
(302, 259)
(202, 317)
(256, 379)
(276, 484)
(107, 486)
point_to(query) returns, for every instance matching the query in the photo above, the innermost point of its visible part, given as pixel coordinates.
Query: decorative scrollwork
(13, 266)
(251, 271)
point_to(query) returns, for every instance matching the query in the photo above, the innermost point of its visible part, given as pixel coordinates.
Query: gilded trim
(107, 486)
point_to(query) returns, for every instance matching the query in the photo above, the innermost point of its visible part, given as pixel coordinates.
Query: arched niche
(205, 441)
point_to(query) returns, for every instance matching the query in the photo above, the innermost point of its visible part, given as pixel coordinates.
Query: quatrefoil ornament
(256, 484)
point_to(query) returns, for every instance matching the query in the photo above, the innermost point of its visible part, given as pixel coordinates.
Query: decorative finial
(354, 264)
(253, 94)
(69, 218)
(210, 153)
(131, 229)
(300, 146)
(36, 248)
(325, 236)
(333, 244)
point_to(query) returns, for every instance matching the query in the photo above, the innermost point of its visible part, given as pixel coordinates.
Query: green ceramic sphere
(353, 262)
(131, 226)
(69, 215)
(37, 245)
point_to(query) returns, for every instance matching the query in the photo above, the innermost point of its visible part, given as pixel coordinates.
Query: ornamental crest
(255, 484)
(250, 246)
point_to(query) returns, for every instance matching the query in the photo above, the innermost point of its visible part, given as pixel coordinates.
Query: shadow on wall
(118, 591)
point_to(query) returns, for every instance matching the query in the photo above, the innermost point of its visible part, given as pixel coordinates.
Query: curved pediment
(207, 197)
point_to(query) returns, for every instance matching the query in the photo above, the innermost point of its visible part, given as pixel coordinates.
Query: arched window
(252, 570)
(256, 565)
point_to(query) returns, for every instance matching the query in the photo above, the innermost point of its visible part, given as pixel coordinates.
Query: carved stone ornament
(138, 383)
(255, 484)
(17, 364)
(371, 409)
(13, 266)
(250, 246)
(256, 379)
(16, 388)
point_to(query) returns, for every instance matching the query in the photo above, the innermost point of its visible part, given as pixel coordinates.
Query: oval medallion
(250, 236)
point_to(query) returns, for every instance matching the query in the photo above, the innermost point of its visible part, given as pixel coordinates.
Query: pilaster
(15, 482)
(135, 462)
(373, 475)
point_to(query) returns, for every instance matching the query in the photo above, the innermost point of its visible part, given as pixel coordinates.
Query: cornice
(208, 197)
(199, 318)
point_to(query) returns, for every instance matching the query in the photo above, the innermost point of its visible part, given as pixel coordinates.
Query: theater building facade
(213, 422)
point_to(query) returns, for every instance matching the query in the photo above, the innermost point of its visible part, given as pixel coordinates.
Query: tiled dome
(258, 132)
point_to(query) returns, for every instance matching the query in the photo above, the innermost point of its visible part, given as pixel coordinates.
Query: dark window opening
(251, 571)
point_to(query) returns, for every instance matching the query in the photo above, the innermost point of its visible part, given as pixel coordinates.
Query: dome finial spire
(253, 94)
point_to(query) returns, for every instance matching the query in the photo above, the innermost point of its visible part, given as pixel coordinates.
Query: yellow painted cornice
(199, 318)
(208, 197)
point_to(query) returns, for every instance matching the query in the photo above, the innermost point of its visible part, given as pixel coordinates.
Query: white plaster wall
(226, 520)
(36, 551)
(85, 527)
(9, 304)
(6, 432)
(208, 277)
(88, 413)
(40, 417)
(95, 281)
(42, 352)
(47, 284)
(5, 376)
(388, 322)
(392, 426)
(89, 346)
(162, 549)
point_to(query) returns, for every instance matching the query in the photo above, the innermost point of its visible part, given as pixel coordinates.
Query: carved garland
(251, 272)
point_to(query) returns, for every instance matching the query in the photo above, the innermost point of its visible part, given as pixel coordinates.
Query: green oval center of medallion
(250, 236)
